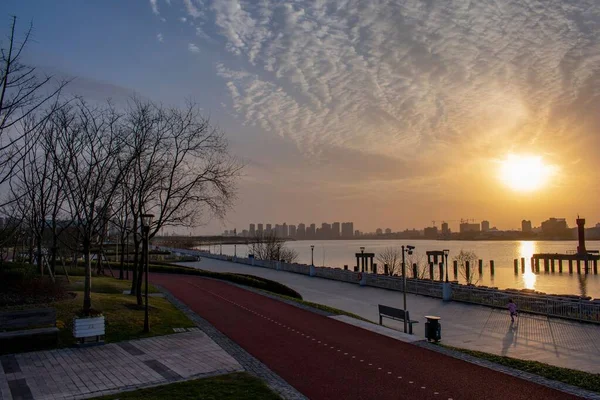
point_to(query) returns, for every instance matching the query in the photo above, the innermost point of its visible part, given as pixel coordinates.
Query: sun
(525, 173)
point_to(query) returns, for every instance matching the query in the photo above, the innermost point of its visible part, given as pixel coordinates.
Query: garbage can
(433, 328)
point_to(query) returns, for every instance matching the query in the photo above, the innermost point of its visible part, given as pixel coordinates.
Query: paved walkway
(96, 371)
(327, 359)
(553, 341)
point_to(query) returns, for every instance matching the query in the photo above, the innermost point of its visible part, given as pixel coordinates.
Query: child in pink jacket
(512, 308)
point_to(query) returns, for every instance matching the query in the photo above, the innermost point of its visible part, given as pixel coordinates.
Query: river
(337, 253)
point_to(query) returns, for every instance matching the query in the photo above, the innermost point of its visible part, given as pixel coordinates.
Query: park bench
(28, 323)
(395, 314)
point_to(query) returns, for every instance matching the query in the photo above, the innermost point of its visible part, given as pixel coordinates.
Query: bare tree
(267, 246)
(418, 259)
(462, 258)
(392, 257)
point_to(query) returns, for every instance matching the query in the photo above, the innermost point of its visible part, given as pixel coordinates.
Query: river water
(337, 253)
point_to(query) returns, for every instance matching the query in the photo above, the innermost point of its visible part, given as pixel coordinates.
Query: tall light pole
(446, 252)
(409, 250)
(312, 254)
(146, 221)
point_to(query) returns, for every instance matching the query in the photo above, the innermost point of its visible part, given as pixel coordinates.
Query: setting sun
(525, 173)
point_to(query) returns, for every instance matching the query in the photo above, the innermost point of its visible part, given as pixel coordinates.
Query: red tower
(581, 234)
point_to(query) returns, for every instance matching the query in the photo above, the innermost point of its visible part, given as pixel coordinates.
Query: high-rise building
(292, 231)
(467, 227)
(347, 230)
(268, 229)
(485, 226)
(259, 229)
(526, 226)
(301, 231)
(335, 230)
(430, 232)
(284, 230)
(278, 230)
(554, 226)
(311, 231)
(252, 229)
(445, 228)
(325, 231)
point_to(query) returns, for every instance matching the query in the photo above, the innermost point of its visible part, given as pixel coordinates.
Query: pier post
(480, 267)
(537, 265)
(455, 269)
(532, 262)
(415, 271)
(375, 268)
(516, 267)
(386, 269)
(356, 268)
(441, 265)
(431, 270)
(552, 265)
(468, 270)
(560, 267)
(492, 267)
(523, 264)
(345, 268)
(570, 266)
(595, 267)
(579, 266)
(546, 265)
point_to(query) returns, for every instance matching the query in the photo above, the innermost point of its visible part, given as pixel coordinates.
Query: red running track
(327, 359)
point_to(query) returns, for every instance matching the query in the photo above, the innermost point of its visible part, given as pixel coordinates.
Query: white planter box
(88, 327)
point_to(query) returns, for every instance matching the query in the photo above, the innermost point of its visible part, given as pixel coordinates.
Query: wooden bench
(395, 314)
(28, 323)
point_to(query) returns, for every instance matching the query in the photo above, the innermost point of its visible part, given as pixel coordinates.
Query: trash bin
(433, 328)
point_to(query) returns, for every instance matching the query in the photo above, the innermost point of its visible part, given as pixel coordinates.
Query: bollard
(523, 264)
(415, 271)
(455, 269)
(516, 267)
(441, 271)
(480, 267)
(431, 270)
(571, 266)
(345, 268)
(492, 267)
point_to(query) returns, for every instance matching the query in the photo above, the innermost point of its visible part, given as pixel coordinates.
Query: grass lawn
(584, 380)
(124, 319)
(238, 386)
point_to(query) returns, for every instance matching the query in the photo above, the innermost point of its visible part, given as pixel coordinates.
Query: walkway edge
(249, 362)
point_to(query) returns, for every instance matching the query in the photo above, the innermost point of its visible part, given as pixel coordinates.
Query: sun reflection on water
(526, 251)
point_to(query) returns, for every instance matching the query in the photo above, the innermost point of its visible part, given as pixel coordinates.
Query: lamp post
(146, 221)
(312, 254)
(409, 250)
(446, 252)
(235, 250)
(362, 260)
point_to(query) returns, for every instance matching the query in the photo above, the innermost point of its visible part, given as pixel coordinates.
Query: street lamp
(312, 254)
(446, 252)
(146, 221)
(409, 251)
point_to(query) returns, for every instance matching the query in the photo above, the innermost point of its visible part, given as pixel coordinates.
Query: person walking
(512, 308)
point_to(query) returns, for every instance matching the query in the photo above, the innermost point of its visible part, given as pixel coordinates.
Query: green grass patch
(247, 280)
(581, 379)
(124, 318)
(238, 386)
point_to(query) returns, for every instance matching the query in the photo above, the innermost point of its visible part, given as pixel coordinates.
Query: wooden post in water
(546, 266)
(480, 267)
(578, 266)
(468, 270)
(415, 271)
(492, 267)
(537, 265)
(441, 265)
(375, 268)
(516, 266)
(523, 264)
(552, 265)
(560, 268)
(345, 268)
(385, 269)
(595, 267)
(431, 270)
(455, 269)
(570, 266)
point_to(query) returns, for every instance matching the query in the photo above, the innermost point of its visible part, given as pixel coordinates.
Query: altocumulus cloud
(399, 78)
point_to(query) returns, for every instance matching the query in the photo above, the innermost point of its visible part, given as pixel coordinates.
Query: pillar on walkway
(312, 271)
(446, 291)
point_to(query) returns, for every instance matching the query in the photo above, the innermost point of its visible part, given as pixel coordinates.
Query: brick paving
(95, 371)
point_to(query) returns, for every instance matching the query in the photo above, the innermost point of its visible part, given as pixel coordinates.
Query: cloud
(192, 9)
(159, 37)
(183, 19)
(154, 5)
(193, 48)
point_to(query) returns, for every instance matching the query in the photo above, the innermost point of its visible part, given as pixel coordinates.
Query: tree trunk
(54, 247)
(87, 289)
(122, 258)
(39, 253)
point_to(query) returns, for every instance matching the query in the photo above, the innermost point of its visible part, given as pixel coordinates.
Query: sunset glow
(525, 173)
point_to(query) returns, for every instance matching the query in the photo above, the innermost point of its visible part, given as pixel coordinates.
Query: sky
(385, 113)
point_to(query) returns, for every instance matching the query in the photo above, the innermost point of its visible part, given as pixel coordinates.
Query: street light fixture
(409, 251)
(312, 254)
(446, 252)
(146, 222)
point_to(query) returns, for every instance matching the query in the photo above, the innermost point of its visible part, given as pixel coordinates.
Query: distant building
(379, 231)
(226, 233)
(335, 230)
(252, 229)
(388, 231)
(259, 229)
(485, 226)
(526, 226)
(268, 229)
(292, 231)
(244, 233)
(445, 229)
(284, 230)
(430, 232)
(347, 229)
(311, 231)
(301, 231)
(466, 227)
(325, 232)
(357, 233)
(554, 226)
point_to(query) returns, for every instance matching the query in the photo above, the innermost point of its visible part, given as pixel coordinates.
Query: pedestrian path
(554, 341)
(96, 371)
